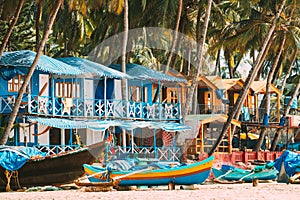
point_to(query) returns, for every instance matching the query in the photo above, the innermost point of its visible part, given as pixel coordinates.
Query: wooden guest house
(215, 97)
(71, 97)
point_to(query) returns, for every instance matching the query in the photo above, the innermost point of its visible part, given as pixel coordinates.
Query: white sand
(272, 191)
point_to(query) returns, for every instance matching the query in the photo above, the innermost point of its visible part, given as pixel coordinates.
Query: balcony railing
(93, 108)
(247, 114)
(158, 153)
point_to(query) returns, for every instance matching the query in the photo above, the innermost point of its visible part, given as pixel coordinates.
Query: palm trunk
(286, 112)
(124, 82)
(268, 96)
(175, 36)
(288, 72)
(200, 55)
(1, 8)
(11, 26)
(248, 82)
(125, 38)
(15, 110)
(37, 23)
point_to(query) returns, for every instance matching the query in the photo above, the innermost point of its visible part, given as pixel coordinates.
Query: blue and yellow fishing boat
(186, 174)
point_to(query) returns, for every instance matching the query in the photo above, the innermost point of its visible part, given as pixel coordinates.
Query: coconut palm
(11, 26)
(249, 79)
(15, 110)
(268, 96)
(200, 55)
(175, 36)
(124, 46)
(286, 111)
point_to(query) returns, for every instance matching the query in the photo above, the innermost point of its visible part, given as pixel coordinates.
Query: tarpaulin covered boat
(229, 173)
(27, 167)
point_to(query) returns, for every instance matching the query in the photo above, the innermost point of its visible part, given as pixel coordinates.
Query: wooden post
(202, 137)
(278, 107)
(105, 104)
(229, 140)
(256, 107)
(171, 186)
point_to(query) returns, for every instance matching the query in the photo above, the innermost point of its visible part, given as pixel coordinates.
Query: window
(135, 93)
(15, 83)
(67, 89)
(172, 95)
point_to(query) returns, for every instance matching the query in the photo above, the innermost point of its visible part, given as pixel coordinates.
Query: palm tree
(200, 55)
(15, 110)
(286, 111)
(11, 26)
(175, 36)
(268, 85)
(248, 81)
(125, 38)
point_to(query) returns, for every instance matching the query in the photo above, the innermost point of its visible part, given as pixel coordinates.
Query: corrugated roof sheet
(144, 73)
(102, 125)
(25, 58)
(93, 68)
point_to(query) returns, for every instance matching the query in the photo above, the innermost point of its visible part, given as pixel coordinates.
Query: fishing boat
(153, 174)
(236, 174)
(42, 170)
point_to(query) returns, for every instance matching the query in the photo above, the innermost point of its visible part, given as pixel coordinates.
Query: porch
(92, 108)
(247, 114)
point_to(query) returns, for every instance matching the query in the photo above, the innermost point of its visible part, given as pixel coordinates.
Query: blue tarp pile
(13, 158)
(291, 162)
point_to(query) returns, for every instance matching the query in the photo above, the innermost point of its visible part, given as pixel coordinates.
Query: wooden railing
(158, 153)
(92, 108)
(246, 114)
(56, 149)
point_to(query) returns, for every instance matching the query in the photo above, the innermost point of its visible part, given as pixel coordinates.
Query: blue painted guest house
(71, 97)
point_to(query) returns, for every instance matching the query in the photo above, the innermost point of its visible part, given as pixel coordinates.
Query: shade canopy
(144, 73)
(96, 69)
(24, 59)
(102, 125)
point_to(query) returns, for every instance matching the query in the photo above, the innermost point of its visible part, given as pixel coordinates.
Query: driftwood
(111, 183)
(295, 179)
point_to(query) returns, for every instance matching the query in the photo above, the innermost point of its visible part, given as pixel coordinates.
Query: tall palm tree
(11, 26)
(286, 111)
(249, 80)
(15, 110)
(175, 36)
(124, 46)
(200, 55)
(288, 71)
(268, 96)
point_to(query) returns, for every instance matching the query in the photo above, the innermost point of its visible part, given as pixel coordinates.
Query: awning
(57, 122)
(89, 67)
(102, 125)
(21, 60)
(167, 126)
(209, 118)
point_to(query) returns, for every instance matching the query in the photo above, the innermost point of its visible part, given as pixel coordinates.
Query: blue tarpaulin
(102, 125)
(291, 162)
(13, 158)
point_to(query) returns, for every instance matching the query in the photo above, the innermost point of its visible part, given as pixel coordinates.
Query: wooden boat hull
(195, 173)
(245, 175)
(50, 170)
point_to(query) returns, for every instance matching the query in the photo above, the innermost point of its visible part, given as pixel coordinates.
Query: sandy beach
(272, 191)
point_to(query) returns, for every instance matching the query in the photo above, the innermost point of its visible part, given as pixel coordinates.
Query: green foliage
(23, 35)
